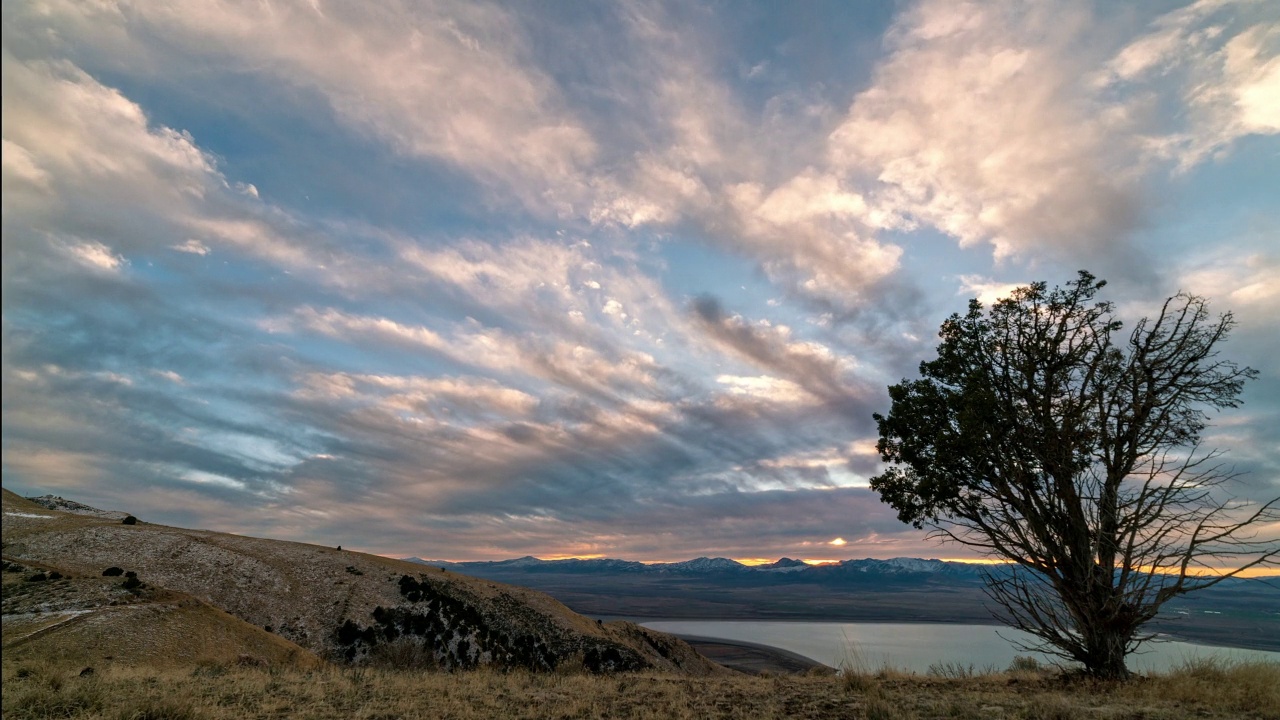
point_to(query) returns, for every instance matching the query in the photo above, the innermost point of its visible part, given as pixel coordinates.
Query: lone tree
(1042, 437)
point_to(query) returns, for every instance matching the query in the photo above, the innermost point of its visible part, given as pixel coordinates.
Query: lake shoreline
(1266, 644)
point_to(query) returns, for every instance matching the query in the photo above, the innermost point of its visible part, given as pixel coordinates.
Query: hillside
(341, 605)
(85, 622)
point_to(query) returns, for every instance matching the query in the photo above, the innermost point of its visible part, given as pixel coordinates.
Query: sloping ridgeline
(346, 606)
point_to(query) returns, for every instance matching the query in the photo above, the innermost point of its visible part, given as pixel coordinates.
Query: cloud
(816, 235)
(95, 255)
(764, 387)
(89, 168)
(195, 247)
(986, 290)
(977, 123)
(1222, 59)
(423, 395)
(812, 366)
(1246, 283)
(573, 365)
(444, 80)
(703, 164)
(80, 150)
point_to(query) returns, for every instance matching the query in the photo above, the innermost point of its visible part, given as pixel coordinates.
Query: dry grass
(215, 691)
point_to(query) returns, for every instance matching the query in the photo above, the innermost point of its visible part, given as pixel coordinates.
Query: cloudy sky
(468, 280)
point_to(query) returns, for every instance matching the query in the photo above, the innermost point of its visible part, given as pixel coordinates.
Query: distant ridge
(713, 566)
(785, 564)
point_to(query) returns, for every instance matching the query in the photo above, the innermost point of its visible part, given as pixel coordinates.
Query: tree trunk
(1105, 654)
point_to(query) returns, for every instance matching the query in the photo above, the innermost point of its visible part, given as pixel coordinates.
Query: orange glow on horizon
(1197, 572)
(1256, 572)
(1259, 573)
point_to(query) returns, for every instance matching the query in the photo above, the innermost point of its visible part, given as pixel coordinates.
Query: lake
(916, 646)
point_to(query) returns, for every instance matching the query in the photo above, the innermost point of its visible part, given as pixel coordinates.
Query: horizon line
(1251, 573)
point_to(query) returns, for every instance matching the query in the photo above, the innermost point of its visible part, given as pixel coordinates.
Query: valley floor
(236, 692)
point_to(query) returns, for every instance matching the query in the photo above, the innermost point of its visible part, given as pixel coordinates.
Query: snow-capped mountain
(900, 565)
(702, 565)
(709, 566)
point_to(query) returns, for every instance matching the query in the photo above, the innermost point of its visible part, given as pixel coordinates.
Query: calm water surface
(916, 646)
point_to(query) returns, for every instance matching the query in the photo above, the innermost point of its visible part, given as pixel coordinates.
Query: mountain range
(712, 566)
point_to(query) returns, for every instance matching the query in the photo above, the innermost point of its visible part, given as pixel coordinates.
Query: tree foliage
(1043, 436)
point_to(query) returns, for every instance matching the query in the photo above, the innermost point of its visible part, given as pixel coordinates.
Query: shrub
(112, 571)
(959, 671)
(1024, 663)
(855, 681)
(129, 520)
(38, 577)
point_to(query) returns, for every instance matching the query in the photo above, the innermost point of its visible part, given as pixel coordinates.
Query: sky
(473, 280)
